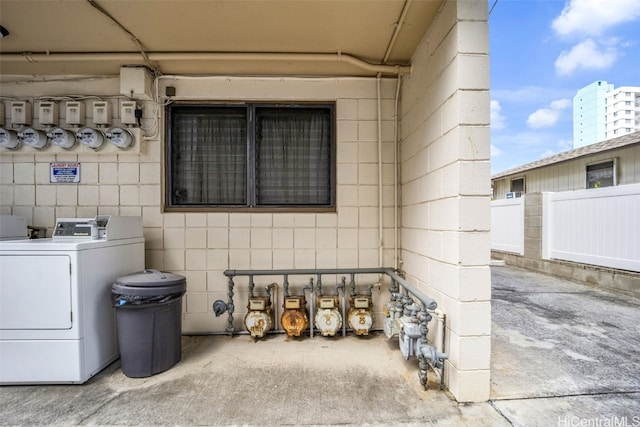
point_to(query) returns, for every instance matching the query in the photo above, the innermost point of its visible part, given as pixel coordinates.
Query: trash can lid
(150, 282)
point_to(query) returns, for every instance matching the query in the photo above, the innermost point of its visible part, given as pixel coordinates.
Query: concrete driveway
(563, 355)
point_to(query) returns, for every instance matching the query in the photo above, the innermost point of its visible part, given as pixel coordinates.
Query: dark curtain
(209, 157)
(293, 164)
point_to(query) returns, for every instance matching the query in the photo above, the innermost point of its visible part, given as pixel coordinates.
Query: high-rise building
(623, 111)
(589, 114)
(601, 112)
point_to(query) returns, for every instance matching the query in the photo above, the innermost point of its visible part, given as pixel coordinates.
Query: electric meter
(75, 113)
(101, 113)
(128, 113)
(90, 137)
(62, 137)
(48, 113)
(360, 315)
(294, 318)
(258, 320)
(9, 139)
(119, 137)
(33, 138)
(21, 112)
(328, 319)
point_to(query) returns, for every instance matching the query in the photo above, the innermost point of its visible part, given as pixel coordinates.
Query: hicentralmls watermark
(574, 421)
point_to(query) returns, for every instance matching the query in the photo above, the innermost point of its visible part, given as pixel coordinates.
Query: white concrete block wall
(201, 246)
(445, 186)
(445, 177)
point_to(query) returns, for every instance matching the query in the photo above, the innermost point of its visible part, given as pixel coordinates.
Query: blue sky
(542, 52)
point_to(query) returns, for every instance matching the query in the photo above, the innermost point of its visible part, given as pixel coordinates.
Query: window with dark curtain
(208, 156)
(293, 157)
(254, 155)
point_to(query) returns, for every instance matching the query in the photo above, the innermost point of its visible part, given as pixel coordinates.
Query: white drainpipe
(380, 228)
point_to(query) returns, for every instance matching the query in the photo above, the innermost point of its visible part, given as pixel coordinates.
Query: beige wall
(571, 175)
(201, 246)
(445, 211)
(445, 187)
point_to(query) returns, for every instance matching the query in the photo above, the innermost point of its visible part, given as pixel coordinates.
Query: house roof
(587, 150)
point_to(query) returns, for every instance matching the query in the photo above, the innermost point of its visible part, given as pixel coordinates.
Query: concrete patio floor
(563, 354)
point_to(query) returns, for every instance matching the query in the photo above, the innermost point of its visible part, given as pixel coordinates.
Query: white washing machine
(57, 324)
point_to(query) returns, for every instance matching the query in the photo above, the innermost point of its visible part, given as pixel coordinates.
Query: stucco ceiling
(51, 36)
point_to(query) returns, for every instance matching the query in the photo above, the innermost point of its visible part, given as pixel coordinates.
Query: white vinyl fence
(596, 226)
(507, 225)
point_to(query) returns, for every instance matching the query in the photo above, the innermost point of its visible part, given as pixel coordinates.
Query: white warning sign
(65, 172)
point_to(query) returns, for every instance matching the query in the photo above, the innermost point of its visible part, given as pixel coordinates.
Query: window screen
(255, 155)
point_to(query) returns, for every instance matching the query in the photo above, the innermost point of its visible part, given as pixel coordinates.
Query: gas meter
(259, 318)
(294, 318)
(392, 311)
(411, 334)
(328, 319)
(360, 316)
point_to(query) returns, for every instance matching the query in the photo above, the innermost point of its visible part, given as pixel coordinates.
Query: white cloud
(560, 104)
(495, 151)
(593, 17)
(498, 121)
(586, 54)
(545, 117)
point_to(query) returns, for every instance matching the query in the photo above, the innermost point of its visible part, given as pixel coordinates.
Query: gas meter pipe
(341, 287)
(396, 279)
(304, 289)
(426, 353)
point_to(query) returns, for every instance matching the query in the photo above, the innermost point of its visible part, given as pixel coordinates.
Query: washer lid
(150, 282)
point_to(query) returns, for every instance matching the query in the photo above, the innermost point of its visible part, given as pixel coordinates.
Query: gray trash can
(148, 307)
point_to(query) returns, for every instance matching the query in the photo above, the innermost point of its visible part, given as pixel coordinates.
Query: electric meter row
(64, 138)
(92, 137)
(295, 317)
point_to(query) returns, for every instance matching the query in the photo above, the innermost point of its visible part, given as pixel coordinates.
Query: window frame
(524, 185)
(614, 167)
(251, 205)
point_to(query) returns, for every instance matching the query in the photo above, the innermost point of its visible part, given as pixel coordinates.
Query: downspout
(380, 228)
(440, 340)
(396, 160)
(398, 27)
